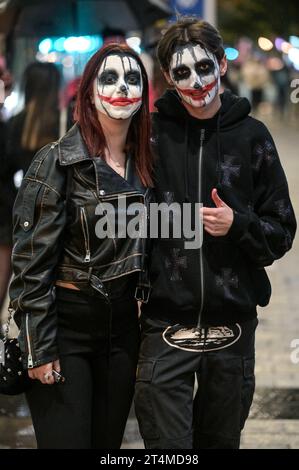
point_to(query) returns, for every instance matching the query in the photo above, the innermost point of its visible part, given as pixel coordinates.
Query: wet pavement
(274, 417)
(16, 430)
(276, 403)
(275, 411)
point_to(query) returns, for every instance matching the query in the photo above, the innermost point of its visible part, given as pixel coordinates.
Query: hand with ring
(45, 372)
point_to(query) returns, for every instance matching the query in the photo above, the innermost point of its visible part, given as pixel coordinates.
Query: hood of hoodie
(233, 108)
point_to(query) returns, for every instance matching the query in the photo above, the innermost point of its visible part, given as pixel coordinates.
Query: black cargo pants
(169, 415)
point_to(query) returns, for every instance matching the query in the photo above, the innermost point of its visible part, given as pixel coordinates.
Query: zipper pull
(29, 357)
(30, 362)
(202, 135)
(87, 257)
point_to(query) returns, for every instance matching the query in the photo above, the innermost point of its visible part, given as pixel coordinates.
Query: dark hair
(41, 80)
(40, 83)
(138, 139)
(189, 30)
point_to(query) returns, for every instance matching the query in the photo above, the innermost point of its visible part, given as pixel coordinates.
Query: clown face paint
(196, 74)
(118, 87)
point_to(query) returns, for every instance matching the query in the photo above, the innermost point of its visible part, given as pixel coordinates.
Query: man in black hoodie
(200, 320)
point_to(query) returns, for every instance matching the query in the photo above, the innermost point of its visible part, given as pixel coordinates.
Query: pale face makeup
(195, 73)
(118, 87)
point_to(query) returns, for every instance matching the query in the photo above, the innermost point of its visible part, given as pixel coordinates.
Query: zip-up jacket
(224, 280)
(55, 238)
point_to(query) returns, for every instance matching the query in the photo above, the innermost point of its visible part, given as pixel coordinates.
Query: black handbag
(14, 378)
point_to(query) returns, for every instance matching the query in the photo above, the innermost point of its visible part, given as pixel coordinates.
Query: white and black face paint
(196, 74)
(118, 87)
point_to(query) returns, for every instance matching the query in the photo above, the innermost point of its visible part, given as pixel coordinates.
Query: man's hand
(217, 221)
(44, 373)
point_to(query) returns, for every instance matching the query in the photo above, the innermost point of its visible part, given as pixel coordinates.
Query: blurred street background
(44, 47)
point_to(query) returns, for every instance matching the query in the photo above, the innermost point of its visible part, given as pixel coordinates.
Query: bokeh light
(231, 53)
(265, 44)
(285, 47)
(278, 43)
(45, 46)
(72, 44)
(294, 56)
(77, 44)
(134, 42)
(294, 41)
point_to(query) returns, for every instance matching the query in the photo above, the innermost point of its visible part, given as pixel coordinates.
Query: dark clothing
(19, 157)
(6, 201)
(256, 97)
(90, 409)
(224, 280)
(168, 416)
(55, 237)
(7, 191)
(16, 159)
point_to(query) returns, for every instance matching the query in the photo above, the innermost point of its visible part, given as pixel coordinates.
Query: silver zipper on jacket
(29, 359)
(124, 194)
(202, 137)
(85, 234)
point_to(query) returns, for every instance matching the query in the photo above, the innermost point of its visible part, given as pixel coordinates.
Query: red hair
(138, 139)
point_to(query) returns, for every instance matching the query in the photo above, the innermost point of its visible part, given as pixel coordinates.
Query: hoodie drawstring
(186, 169)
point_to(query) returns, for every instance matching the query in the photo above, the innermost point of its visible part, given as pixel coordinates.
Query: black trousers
(169, 415)
(89, 410)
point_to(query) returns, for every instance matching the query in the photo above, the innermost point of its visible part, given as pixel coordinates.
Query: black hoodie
(225, 280)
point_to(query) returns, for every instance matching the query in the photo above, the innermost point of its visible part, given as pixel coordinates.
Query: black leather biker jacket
(55, 217)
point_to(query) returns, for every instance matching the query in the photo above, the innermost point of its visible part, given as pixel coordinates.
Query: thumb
(56, 366)
(216, 199)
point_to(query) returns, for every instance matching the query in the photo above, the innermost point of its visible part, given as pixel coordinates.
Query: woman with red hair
(76, 274)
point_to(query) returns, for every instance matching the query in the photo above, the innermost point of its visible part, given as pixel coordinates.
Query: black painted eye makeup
(205, 67)
(108, 77)
(133, 78)
(181, 73)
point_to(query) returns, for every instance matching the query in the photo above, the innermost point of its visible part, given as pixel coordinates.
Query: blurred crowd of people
(262, 81)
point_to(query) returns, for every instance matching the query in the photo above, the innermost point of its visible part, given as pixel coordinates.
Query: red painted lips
(119, 101)
(198, 95)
